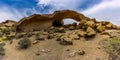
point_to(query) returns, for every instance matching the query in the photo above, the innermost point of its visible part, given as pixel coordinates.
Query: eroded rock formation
(37, 21)
(44, 21)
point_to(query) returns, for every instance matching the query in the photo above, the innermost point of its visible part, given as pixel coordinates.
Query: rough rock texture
(37, 21)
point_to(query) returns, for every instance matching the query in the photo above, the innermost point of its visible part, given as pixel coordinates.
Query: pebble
(72, 54)
(35, 42)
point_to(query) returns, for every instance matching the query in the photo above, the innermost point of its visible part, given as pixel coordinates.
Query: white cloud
(9, 13)
(108, 10)
(61, 4)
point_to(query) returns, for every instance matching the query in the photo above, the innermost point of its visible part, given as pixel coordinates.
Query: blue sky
(108, 10)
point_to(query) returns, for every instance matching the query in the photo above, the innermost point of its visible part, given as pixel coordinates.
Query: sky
(102, 10)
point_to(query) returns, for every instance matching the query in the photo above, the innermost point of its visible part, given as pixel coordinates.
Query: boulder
(109, 26)
(90, 32)
(90, 24)
(100, 28)
(64, 40)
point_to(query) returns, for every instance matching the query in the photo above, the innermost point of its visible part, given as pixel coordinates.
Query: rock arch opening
(70, 21)
(64, 22)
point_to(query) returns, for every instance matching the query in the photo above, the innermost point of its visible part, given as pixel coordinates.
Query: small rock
(45, 50)
(81, 52)
(68, 50)
(65, 42)
(37, 53)
(52, 27)
(72, 54)
(39, 38)
(71, 27)
(61, 30)
(50, 36)
(44, 33)
(90, 32)
(35, 42)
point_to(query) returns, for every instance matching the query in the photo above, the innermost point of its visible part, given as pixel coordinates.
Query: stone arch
(44, 21)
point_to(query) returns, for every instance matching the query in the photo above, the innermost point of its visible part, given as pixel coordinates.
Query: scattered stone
(35, 42)
(39, 38)
(44, 33)
(100, 28)
(50, 36)
(109, 26)
(24, 43)
(90, 32)
(52, 27)
(58, 39)
(90, 24)
(45, 50)
(37, 53)
(81, 52)
(81, 33)
(71, 27)
(72, 54)
(65, 42)
(61, 30)
(68, 50)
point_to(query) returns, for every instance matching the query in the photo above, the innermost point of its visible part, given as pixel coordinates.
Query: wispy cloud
(10, 13)
(108, 10)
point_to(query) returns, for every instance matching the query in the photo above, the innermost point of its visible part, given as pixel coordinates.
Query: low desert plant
(113, 46)
(4, 38)
(5, 29)
(24, 43)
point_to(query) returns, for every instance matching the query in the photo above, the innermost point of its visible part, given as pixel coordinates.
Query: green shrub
(4, 38)
(4, 29)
